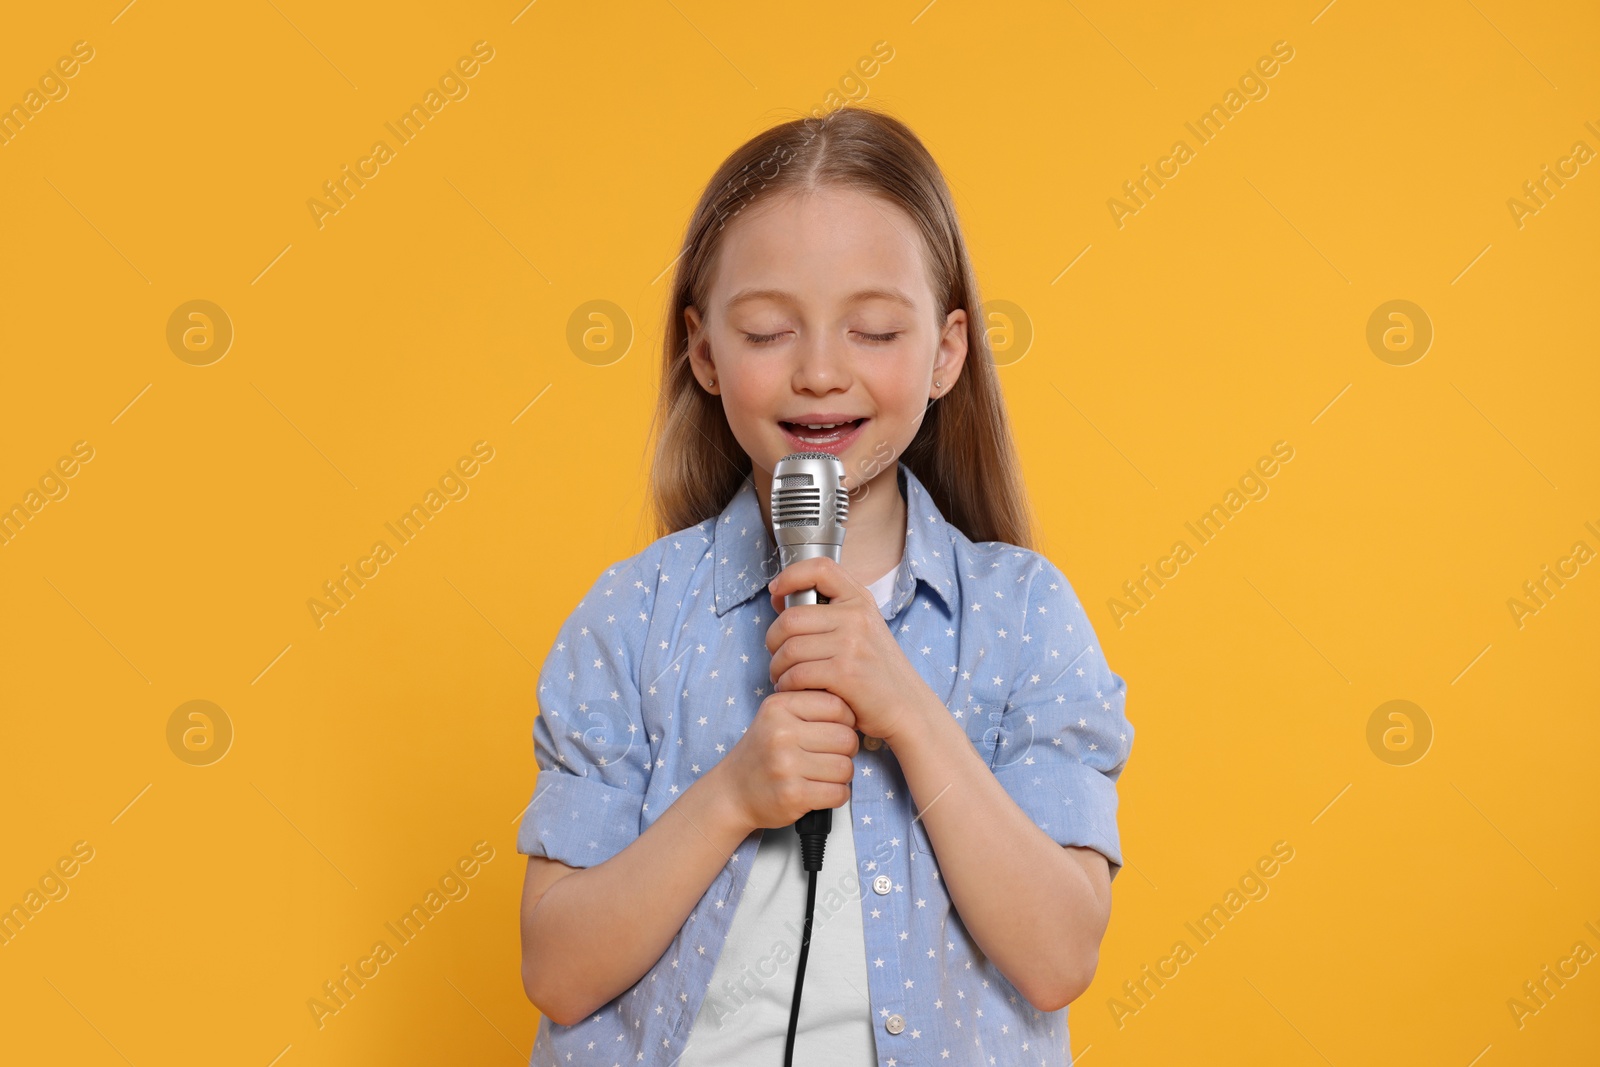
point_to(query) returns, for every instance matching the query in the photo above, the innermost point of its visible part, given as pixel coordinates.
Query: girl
(950, 700)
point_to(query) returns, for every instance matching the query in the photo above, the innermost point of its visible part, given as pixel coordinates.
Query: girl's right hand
(797, 756)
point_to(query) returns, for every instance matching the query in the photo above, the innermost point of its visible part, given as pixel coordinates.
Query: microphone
(809, 508)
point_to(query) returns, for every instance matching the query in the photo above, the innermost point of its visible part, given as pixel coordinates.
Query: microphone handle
(814, 826)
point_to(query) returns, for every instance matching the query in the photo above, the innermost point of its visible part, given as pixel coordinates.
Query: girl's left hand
(843, 646)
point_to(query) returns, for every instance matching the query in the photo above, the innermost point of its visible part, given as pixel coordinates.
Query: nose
(822, 366)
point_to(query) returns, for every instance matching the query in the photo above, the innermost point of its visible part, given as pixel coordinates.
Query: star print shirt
(662, 666)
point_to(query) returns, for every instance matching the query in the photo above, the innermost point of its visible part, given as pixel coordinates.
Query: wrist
(711, 805)
(915, 722)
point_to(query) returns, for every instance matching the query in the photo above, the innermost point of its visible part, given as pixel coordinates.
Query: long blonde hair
(963, 452)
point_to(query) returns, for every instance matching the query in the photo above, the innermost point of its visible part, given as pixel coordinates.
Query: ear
(952, 353)
(699, 349)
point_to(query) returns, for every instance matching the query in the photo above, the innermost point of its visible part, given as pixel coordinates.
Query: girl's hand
(843, 646)
(797, 755)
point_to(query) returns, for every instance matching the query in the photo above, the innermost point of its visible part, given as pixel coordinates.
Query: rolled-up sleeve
(1064, 735)
(589, 740)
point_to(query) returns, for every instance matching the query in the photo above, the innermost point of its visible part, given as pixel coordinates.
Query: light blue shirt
(658, 671)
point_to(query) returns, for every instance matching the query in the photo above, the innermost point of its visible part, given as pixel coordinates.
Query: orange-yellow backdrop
(1152, 353)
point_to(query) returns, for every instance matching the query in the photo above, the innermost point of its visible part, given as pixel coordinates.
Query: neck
(875, 538)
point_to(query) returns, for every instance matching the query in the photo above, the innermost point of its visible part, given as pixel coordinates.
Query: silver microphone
(809, 509)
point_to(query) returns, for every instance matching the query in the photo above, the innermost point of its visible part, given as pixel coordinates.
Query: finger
(820, 573)
(825, 794)
(809, 674)
(831, 737)
(820, 706)
(798, 650)
(800, 619)
(828, 767)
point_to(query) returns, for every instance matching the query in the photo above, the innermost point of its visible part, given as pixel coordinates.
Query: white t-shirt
(744, 1018)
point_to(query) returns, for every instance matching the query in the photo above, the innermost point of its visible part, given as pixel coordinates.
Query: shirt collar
(746, 559)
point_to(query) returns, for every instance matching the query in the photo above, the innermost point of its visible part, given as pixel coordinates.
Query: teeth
(822, 425)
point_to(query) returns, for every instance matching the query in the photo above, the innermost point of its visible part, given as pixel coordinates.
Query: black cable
(813, 829)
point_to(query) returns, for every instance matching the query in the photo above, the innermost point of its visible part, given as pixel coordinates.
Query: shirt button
(894, 1024)
(872, 744)
(882, 884)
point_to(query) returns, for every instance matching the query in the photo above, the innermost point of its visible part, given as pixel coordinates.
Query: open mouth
(825, 437)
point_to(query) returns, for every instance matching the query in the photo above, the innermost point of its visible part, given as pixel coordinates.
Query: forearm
(598, 930)
(1028, 904)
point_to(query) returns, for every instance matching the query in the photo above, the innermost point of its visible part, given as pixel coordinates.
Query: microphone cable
(813, 829)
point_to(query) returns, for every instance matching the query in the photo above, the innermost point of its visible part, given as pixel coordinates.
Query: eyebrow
(891, 295)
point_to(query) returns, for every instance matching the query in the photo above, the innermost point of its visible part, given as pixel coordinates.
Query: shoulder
(1011, 568)
(1021, 586)
(600, 644)
(627, 588)
(1040, 626)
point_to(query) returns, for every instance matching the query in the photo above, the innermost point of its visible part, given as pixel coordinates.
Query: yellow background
(1229, 313)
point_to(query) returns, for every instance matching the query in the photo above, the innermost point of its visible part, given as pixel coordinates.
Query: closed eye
(768, 338)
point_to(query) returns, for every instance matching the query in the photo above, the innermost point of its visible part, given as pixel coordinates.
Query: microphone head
(809, 506)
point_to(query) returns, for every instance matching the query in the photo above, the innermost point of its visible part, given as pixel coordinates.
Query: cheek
(901, 404)
(898, 394)
(746, 396)
(748, 403)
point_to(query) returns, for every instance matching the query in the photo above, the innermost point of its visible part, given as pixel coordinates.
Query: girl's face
(820, 311)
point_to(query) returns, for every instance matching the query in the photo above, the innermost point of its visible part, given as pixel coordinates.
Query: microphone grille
(797, 499)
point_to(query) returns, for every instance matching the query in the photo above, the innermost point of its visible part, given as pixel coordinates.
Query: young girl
(949, 700)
